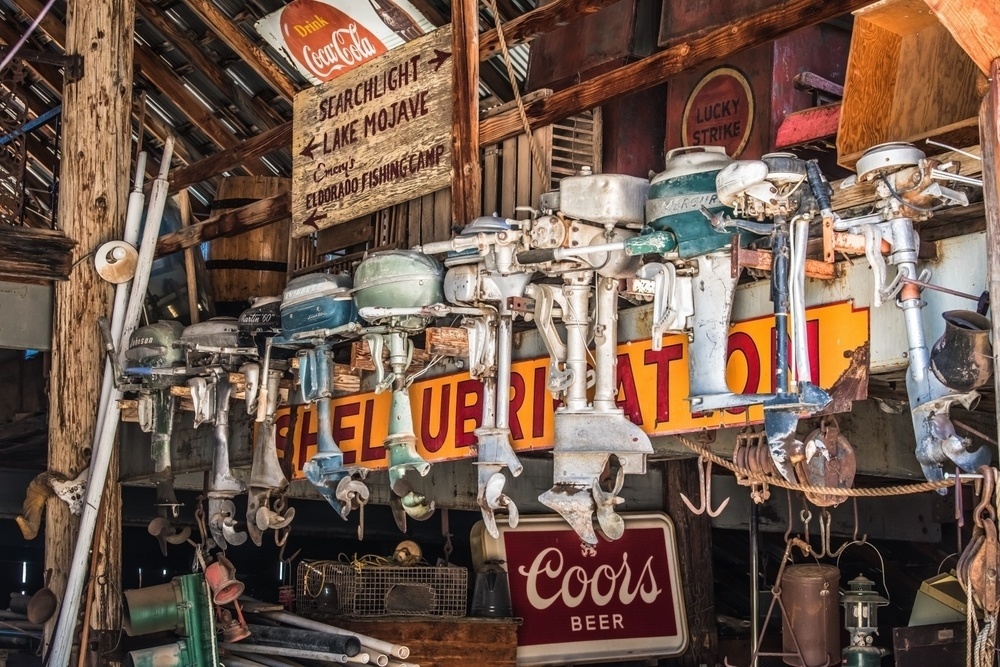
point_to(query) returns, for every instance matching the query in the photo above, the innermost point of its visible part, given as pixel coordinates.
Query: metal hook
(705, 491)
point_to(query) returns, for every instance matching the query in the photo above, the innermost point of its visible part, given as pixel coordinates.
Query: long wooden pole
(989, 139)
(96, 138)
(466, 178)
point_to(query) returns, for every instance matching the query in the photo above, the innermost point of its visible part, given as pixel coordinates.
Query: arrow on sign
(313, 217)
(308, 150)
(439, 58)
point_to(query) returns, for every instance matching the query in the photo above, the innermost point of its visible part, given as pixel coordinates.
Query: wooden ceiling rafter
(529, 25)
(251, 106)
(252, 55)
(688, 52)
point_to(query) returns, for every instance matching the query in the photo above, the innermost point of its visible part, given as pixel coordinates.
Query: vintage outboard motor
(909, 186)
(151, 358)
(395, 292)
(317, 311)
(212, 350)
(257, 328)
(585, 242)
(778, 196)
(681, 199)
(475, 280)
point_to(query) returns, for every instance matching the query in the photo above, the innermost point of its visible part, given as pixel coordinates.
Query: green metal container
(677, 195)
(182, 606)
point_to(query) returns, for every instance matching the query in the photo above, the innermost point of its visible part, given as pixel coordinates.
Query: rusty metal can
(811, 597)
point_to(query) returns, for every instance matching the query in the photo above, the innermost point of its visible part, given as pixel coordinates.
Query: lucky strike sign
(620, 599)
(652, 390)
(324, 39)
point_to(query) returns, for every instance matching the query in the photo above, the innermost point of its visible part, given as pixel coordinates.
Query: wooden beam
(253, 106)
(758, 28)
(247, 151)
(973, 24)
(234, 38)
(35, 254)
(94, 185)
(537, 22)
(466, 177)
(229, 223)
(989, 130)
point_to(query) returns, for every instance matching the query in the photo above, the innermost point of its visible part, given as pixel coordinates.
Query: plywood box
(907, 80)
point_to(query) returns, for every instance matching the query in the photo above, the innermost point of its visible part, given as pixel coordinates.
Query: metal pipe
(274, 661)
(505, 335)
(359, 659)
(577, 322)
(755, 577)
(62, 640)
(797, 288)
(253, 649)
(367, 642)
(606, 346)
(780, 297)
(239, 661)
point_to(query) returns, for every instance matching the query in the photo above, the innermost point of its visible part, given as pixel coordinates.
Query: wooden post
(694, 544)
(466, 179)
(96, 141)
(989, 138)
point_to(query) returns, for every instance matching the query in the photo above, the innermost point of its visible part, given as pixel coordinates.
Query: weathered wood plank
(447, 341)
(989, 124)
(361, 357)
(446, 642)
(973, 24)
(466, 176)
(229, 33)
(758, 28)
(35, 254)
(229, 223)
(537, 22)
(245, 152)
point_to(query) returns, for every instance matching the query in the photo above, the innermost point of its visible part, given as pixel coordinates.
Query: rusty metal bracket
(72, 64)
(762, 261)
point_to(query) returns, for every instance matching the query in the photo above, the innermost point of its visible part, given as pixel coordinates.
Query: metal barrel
(811, 596)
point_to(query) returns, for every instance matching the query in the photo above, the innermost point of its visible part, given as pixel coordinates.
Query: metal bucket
(962, 358)
(811, 595)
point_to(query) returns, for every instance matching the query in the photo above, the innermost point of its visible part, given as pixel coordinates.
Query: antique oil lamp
(861, 605)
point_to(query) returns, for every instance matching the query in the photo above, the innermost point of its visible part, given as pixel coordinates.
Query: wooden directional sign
(374, 137)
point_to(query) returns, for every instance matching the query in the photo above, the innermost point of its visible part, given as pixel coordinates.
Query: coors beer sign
(324, 39)
(622, 600)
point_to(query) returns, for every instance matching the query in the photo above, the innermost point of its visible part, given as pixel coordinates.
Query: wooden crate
(446, 643)
(907, 80)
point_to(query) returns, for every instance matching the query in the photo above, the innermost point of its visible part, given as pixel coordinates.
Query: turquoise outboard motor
(317, 311)
(399, 292)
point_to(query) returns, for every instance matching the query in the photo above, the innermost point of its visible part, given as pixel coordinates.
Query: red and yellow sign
(652, 388)
(719, 111)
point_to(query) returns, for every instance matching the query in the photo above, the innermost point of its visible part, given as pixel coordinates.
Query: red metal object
(221, 578)
(808, 126)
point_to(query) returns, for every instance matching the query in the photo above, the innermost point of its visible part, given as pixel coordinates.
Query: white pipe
(376, 658)
(576, 319)
(606, 346)
(504, 335)
(397, 663)
(799, 243)
(253, 649)
(367, 642)
(359, 659)
(62, 640)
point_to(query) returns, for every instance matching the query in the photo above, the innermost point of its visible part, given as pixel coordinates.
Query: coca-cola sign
(619, 600)
(324, 39)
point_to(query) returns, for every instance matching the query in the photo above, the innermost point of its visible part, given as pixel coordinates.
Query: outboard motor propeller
(909, 186)
(395, 292)
(151, 358)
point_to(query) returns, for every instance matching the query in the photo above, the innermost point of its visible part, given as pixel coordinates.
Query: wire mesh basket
(367, 590)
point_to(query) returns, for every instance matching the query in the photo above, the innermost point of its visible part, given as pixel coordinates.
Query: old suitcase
(941, 645)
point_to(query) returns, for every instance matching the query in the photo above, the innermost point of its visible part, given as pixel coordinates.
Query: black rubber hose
(265, 635)
(819, 186)
(539, 256)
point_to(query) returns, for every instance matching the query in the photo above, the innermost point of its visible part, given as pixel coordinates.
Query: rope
(879, 492)
(536, 156)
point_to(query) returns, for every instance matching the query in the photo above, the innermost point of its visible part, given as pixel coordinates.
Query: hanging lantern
(861, 605)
